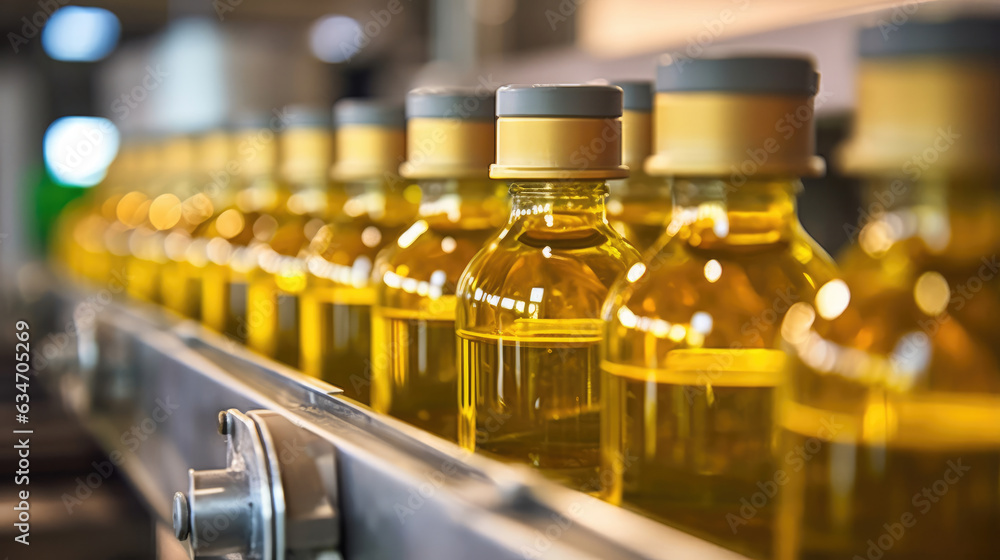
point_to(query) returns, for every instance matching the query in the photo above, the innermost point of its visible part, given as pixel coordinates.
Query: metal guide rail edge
(299, 472)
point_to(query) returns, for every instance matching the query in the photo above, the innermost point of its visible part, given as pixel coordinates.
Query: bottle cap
(305, 145)
(637, 123)
(637, 95)
(368, 112)
(927, 99)
(370, 139)
(735, 117)
(742, 74)
(450, 133)
(559, 132)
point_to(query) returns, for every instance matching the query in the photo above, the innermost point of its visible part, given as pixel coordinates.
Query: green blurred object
(46, 201)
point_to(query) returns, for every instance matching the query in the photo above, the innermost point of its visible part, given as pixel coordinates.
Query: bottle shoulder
(741, 293)
(521, 275)
(422, 250)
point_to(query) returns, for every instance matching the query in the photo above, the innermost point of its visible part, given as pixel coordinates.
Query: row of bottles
(643, 316)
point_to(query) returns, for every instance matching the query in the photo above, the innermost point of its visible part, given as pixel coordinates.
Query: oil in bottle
(639, 205)
(892, 416)
(450, 146)
(276, 274)
(206, 195)
(153, 216)
(529, 303)
(691, 360)
(243, 227)
(338, 294)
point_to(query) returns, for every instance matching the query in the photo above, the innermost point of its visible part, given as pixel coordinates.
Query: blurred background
(75, 78)
(78, 77)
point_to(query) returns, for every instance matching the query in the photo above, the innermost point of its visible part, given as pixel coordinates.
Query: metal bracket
(277, 497)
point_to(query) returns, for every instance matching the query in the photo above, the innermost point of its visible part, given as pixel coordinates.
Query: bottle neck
(583, 201)
(712, 212)
(945, 215)
(388, 199)
(468, 204)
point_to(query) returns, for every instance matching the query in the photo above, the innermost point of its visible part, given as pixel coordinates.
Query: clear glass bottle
(451, 142)
(276, 274)
(152, 212)
(638, 206)
(691, 360)
(236, 236)
(338, 294)
(892, 419)
(529, 303)
(184, 245)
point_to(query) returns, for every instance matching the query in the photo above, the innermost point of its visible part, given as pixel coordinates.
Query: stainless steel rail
(336, 478)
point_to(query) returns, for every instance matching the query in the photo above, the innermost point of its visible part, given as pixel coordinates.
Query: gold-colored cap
(305, 146)
(255, 144)
(450, 133)
(719, 117)
(370, 139)
(637, 123)
(257, 151)
(927, 100)
(559, 132)
(637, 138)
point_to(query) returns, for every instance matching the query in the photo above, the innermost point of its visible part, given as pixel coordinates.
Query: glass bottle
(130, 209)
(152, 212)
(338, 293)
(691, 360)
(184, 245)
(638, 206)
(277, 275)
(892, 418)
(236, 236)
(450, 145)
(529, 303)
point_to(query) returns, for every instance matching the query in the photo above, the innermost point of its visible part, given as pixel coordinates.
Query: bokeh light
(78, 150)
(79, 34)
(336, 38)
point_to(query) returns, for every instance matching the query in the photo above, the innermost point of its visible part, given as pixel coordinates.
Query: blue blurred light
(336, 38)
(78, 150)
(80, 34)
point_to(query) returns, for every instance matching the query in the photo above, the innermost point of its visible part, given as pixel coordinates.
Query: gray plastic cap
(251, 120)
(371, 112)
(792, 75)
(638, 95)
(451, 103)
(304, 116)
(559, 101)
(963, 36)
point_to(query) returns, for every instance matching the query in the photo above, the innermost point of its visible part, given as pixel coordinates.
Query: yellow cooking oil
(529, 303)
(127, 210)
(450, 146)
(639, 205)
(235, 237)
(691, 358)
(891, 421)
(152, 212)
(209, 191)
(338, 294)
(274, 271)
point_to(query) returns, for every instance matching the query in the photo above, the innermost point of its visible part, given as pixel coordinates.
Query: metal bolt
(182, 516)
(224, 423)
